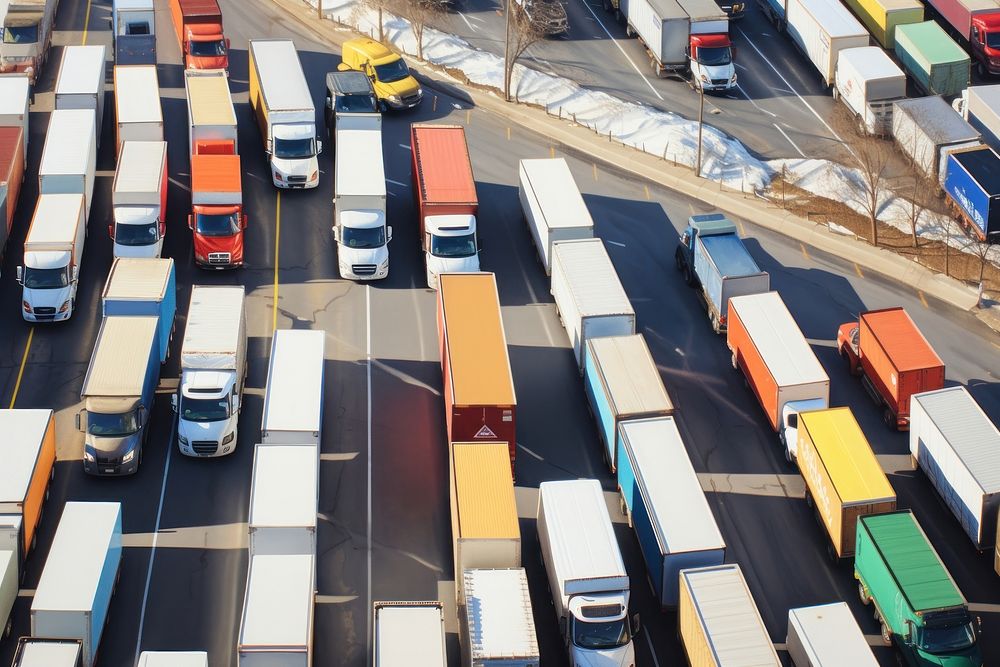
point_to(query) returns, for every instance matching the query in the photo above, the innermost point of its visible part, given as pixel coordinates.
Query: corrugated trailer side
(747, 356)
(11, 177)
(29, 453)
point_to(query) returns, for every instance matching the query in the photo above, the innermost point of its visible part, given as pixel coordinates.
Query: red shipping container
(442, 172)
(897, 359)
(11, 177)
(480, 405)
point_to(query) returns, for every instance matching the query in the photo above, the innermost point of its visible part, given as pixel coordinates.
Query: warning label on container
(484, 432)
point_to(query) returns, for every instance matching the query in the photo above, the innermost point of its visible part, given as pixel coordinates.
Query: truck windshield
(293, 149)
(204, 409)
(394, 71)
(369, 237)
(355, 103)
(112, 426)
(950, 638)
(26, 34)
(217, 225)
(46, 278)
(208, 49)
(453, 246)
(610, 634)
(136, 235)
(993, 40)
(714, 56)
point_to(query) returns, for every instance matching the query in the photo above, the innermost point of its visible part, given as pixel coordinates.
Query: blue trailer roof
(981, 164)
(729, 255)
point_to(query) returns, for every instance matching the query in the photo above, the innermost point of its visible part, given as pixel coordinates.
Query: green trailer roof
(912, 560)
(933, 42)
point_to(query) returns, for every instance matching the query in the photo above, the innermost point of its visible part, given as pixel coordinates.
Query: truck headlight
(312, 176)
(384, 266)
(64, 307)
(26, 306)
(278, 177)
(87, 456)
(229, 438)
(732, 79)
(128, 456)
(703, 78)
(395, 99)
(181, 439)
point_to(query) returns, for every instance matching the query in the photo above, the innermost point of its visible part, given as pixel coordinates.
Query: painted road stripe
(86, 24)
(615, 42)
(923, 300)
(20, 371)
(277, 247)
(368, 369)
(805, 253)
(857, 270)
(645, 189)
(794, 145)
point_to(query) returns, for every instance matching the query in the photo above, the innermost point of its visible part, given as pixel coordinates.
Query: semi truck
(209, 396)
(80, 84)
(869, 82)
(497, 625)
(972, 189)
(552, 205)
(359, 218)
(118, 392)
(139, 200)
(713, 259)
(622, 384)
(15, 95)
(590, 299)
(80, 576)
(937, 65)
(843, 478)
(955, 443)
(826, 635)
(655, 478)
(133, 32)
(138, 116)
(478, 386)
(27, 36)
(408, 633)
(293, 397)
(882, 16)
(445, 193)
(821, 29)
(779, 365)
(198, 25)
(893, 359)
(484, 527)
(589, 584)
(143, 287)
(53, 251)
(12, 166)
(980, 106)
(41, 652)
(977, 25)
(69, 157)
(916, 601)
(276, 627)
(285, 113)
(718, 621)
(926, 130)
(284, 493)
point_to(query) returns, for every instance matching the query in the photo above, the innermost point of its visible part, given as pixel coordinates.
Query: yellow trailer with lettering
(882, 16)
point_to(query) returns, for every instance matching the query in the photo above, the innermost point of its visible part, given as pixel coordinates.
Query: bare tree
(982, 251)
(521, 33)
(419, 13)
(381, 7)
(872, 157)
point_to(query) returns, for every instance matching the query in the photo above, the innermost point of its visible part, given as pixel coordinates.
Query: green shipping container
(936, 63)
(882, 16)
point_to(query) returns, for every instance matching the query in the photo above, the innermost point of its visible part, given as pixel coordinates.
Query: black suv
(347, 92)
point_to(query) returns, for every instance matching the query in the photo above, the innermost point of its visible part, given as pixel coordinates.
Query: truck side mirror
(227, 43)
(388, 233)
(732, 50)
(908, 635)
(243, 221)
(636, 625)
(236, 403)
(686, 238)
(191, 222)
(336, 235)
(319, 146)
(163, 229)
(173, 402)
(76, 273)
(20, 275)
(111, 231)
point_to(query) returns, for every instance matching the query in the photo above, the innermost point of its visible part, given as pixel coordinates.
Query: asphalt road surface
(384, 526)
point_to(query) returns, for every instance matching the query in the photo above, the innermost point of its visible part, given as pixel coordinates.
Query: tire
(886, 634)
(10, 626)
(809, 500)
(688, 278)
(678, 260)
(863, 594)
(621, 504)
(788, 455)
(716, 327)
(980, 69)
(733, 361)
(628, 31)
(889, 419)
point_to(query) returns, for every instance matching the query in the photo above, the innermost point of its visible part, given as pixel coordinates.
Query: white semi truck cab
(789, 430)
(453, 246)
(52, 254)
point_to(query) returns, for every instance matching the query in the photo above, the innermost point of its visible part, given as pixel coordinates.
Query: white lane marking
(405, 147)
(742, 67)
(778, 128)
(620, 245)
(751, 101)
(389, 180)
(156, 534)
(649, 642)
(471, 27)
(544, 64)
(523, 448)
(615, 42)
(368, 369)
(476, 19)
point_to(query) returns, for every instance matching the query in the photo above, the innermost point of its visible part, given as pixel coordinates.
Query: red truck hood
(710, 40)
(231, 244)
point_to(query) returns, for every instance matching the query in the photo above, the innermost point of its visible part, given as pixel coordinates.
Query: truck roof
(293, 398)
(476, 347)
(278, 606)
(629, 374)
(835, 18)
(140, 279)
(707, 224)
(200, 8)
(137, 94)
(729, 255)
(72, 572)
(81, 70)
(484, 491)
(69, 143)
(23, 434)
(935, 117)
(443, 168)
(832, 634)
(870, 62)
(13, 95)
(121, 356)
(409, 633)
(282, 83)
(351, 82)
(848, 458)
(208, 99)
(133, 4)
(597, 289)
(360, 137)
(42, 652)
(981, 162)
(173, 659)
(932, 43)
(912, 561)
(498, 613)
(55, 220)
(216, 173)
(700, 10)
(140, 169)
(557, 194)
(901, 339)
(285, 486)
(216, 325)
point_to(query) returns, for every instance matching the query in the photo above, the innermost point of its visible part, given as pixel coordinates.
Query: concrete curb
(681, 179)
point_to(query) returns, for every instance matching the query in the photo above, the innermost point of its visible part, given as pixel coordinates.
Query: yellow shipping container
(843, 478)
(882, 16)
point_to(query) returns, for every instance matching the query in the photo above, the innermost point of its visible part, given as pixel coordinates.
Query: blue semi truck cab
(712, 257)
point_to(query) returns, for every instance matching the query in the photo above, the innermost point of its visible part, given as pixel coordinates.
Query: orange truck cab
(217, 219)
(198, 24)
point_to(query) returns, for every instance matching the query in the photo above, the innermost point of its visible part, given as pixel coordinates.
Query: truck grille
(204, 446)
(104, 461)
(719, 82)
(296, 179)
(411, 100)
(219, 258)
(363, 269)
(45, 310)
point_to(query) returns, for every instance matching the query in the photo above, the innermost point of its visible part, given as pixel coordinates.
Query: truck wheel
(980, 69)
(716, 327)
(886, 634)
(836, 94)
(788, 455)
(678, 260)
(809, 499)
(732, 360)
(688, 278)
(863, 594)
(9, 626)
(889, 418)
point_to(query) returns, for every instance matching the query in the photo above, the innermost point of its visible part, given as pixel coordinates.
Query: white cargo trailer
(139, 200)
(293, 398)
(552, 205)
(926, 129)
(211, 116)
(173, 659)
(497, 623)
(9, 580)
(138, 116)
(958, 448)
(80, 84)
(827, 636)
(284, 497)
(868, 82)
(42, 652)
(69, 158)
(409, 633)
(277, 623)
(589, 297)
(822, 29)
(15, 95)
(664, 28)
(980, 106)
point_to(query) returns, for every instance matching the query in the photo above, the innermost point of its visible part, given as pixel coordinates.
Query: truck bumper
(120, 470)
(58, 317)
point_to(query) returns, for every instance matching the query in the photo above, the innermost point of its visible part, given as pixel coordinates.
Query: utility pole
(506, 48)
(701, 123)
(319, 9)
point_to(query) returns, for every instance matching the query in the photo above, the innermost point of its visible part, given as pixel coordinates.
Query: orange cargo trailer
(478, 386)
(28, 454)
(11, 177)
(894, 360)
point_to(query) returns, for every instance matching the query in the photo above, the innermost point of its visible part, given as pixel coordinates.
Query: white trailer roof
(988, 96)
(279, 602)
(592, 277)
(38, 652)
(68, 142)
(831, 636)
(727, 612)
(137, 94)
(498, 611)
(282, 81)
(173, 659)
(118, 366)
(23, 434)
(668, 481)
(359, 143)
(55, 219)
(972, 435)
(141, 279)
(81, 71)
(835, 18)
(140, 168)
(555, 190)
(870, 62)
(285, 486)
(778, 338)
(208, 97)
(409, 633)
(13, 95)
(214, 327)
(633, 382)
(134, 4)
(73, 567)
(293, 398)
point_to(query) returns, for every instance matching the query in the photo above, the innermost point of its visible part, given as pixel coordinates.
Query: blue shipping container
(719, 261)
(144, 287)
(972, 182)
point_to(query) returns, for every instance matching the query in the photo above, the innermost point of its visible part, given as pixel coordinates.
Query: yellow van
(394, 86)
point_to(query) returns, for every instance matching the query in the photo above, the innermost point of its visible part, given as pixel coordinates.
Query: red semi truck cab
(198, 24)
(984, 40)
(217, 219)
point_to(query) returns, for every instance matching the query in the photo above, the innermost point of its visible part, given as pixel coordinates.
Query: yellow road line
(86, 24)
(508, 133)
(595, 171)
(805, 253)
(552, 151)
(277, 247)
(468, 116)
(20, 371)
(857, 270)
(645, 188)
(743, 231)
(922, 299)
